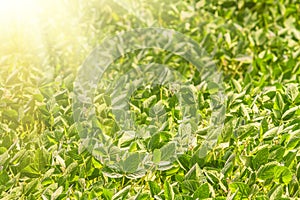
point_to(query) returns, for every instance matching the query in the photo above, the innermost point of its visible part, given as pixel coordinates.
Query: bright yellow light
(39, 30)
(21, 34)
(12, 11)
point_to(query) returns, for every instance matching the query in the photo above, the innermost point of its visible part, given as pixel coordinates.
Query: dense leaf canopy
(254, 44)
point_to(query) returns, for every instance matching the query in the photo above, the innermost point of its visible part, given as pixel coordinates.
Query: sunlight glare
(12, 11)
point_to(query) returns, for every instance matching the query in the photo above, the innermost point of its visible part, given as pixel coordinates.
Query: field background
(255, 44)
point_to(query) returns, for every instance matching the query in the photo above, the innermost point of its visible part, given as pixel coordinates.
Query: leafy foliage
(254, 43)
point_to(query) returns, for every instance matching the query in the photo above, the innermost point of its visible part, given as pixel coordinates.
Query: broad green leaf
(202, 192)
(4, 178)
(261, 157)
(131, 163)
(167, 151)
(156, 156)
(267, 171)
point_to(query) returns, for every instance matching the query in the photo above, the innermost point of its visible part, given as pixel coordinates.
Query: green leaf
(4, 158)
(154, 188)
(202, 192)
(168, 191)
(279, 103)
(212, 87)
(267, 171)
(30, 171)
(290, 112)
(286, 176)
(12, 115)
(261, 157)
(292, 91)
(156, 156)
(240, 187)
(4, 178)
(237, 85)
(41, 159)
(190, 186)
(167, 151)
(122, 194)
(57, 193)
(276, 192)
(194, 173)
(289, 158)
(131, 163)
(71, 168)
(107, 194)
(31, 186)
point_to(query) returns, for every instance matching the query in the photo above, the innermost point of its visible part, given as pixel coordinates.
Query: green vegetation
(255, 44)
